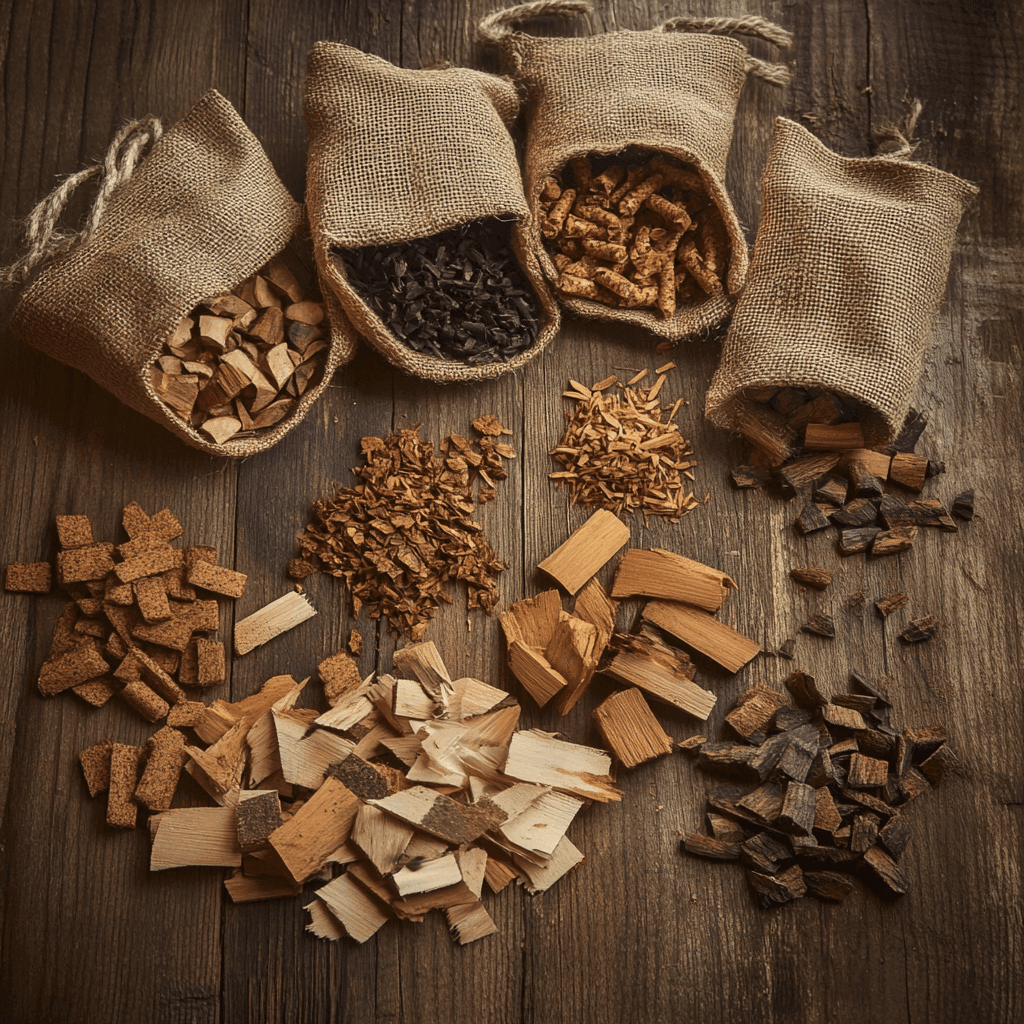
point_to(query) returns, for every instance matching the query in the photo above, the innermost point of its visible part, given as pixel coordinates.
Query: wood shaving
(622, 452)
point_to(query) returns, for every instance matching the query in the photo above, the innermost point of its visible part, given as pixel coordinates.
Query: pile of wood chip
(833, 781)
(240, 361)
(634, 230)
(555, 654)
(422, 788)
(846, 480)
(622, 452)
(408, 528)
(136, 625)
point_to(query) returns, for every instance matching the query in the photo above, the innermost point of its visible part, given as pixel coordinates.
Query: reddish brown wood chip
(28, 577)
(217, 579)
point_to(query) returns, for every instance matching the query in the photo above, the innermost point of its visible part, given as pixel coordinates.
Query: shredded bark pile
(407, 528)
(622, 454)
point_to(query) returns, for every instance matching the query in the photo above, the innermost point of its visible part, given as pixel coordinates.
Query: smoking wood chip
(211, 666)
(783, 887)
(875, 463)
(588, 548)
(908, 470)
(195, 837)
(258, 815)
(95, 761)
(165, 758)
(82, 565)
(538, 757)
(893, 541)
(831, 491)
(540, 826)
(920, 629)
(753, 712)
(811, 519)
(125, 763)
(812, 576)
(217, 579)
(828, 885)
(664, 574)
(708, 846)
(221, 715)
(144, 700)
(187, 713)
(571, 649)
(322, 923)
(423, 662)
(532, 621)
(845, 718)
(540, 877)
(74, 531)
(592, 605)
(852, 542)
(428, 876)
(381, 837)
(470, 921)
(79, 665)
(753, 477)
(355, 642)
(645, 661)
(833, 437)
(272, 620)
(882, 871)
(441, 816)
(701, 631)
(151, 598)
(340, 676)
(244, 889)
(28, 577)
(360, 914)
(629, 729)
(307, 752)
(306, 841)
(963, 505)
(820, 624)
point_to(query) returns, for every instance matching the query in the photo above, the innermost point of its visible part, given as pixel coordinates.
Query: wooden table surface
(639, 932)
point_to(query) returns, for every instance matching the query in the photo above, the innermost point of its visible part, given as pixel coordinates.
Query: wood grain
(639, 932)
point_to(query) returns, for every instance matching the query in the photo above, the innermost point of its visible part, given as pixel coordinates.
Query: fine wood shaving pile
(622, 452)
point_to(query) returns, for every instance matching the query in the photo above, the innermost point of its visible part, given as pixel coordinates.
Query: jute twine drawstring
(43, 236)
(749, 25)
(495, 26)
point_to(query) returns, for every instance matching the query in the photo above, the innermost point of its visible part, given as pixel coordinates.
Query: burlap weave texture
(674, 92)
(397, 154)
(849, 267)
(204, 210)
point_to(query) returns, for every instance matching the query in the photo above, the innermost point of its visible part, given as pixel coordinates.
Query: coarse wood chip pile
(860, 491)
(408, 527)
(427, 792)
(832, 780)
(140, 618)
(621, 450)
(240, 362)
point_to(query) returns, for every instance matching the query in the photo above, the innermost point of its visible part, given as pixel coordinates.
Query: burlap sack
(673, 89)
(397, 155)
(203, 211)
(849, 267)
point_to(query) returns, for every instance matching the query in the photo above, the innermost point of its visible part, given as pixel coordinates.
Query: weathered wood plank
(637, 932)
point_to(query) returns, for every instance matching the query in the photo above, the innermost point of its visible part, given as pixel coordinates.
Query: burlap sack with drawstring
(203, 211)
(850, 264)
(673, 89)
(397, 155)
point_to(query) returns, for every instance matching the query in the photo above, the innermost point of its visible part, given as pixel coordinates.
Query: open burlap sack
(672, 89)
(397, 155)
(200, 213)
(849, 267)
